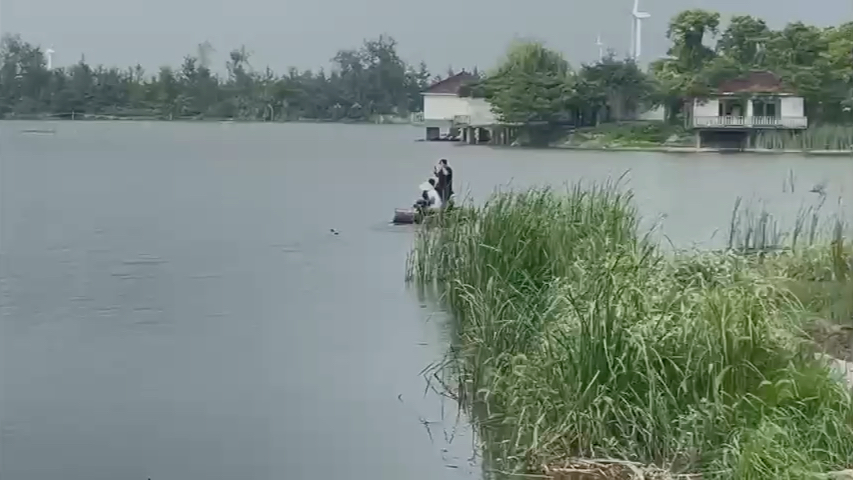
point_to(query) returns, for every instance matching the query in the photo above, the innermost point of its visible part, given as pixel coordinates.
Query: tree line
(532, 84)
(364, 83)
(536, 84)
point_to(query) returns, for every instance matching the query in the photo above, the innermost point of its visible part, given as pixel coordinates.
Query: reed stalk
(575, 336)
(820, 137)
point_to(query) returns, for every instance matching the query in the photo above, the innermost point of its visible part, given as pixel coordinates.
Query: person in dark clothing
(448, 174)
(445, 180)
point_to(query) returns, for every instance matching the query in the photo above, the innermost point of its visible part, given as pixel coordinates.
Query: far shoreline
(387, 120)
(671, 149)
(404, 122)
(663, 137)
(664, 149)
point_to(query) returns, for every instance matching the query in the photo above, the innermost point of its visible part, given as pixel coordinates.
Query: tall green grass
(574, 336)
(812, 257)
(821, 137)
(756, 231)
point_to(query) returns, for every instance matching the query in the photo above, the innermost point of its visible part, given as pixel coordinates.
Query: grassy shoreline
(576, 337)
(660, 137)
(681, 149)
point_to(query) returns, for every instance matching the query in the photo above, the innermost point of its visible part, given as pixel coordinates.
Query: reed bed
(576, 338)
(812, 258)
(821, 137)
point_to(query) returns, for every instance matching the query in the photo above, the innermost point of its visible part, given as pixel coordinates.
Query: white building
(756, 101)
(445, 109)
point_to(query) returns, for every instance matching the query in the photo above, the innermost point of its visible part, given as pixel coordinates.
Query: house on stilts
(739, 108)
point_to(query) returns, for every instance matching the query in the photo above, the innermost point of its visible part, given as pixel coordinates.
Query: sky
(307, 33)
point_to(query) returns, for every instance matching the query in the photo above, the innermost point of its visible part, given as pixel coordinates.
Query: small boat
(416, 214)
(406, 216)
(409, 216)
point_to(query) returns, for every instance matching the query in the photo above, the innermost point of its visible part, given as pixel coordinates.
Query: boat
(413, 215)
(406, 216)
(410, 216)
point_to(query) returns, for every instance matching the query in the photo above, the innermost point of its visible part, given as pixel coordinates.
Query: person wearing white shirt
(430, 200)
(433, 196)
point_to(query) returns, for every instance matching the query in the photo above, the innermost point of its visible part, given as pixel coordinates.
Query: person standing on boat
(445, 180)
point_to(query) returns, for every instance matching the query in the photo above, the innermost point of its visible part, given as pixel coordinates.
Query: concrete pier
(489, 134)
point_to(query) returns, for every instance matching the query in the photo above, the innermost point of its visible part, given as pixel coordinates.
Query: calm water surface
(175, 306)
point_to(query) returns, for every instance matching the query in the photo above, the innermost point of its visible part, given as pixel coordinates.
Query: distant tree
(364, 82)
(744, 41)
(531, 84)
(621, 86)
(814, 61)
(688, 31)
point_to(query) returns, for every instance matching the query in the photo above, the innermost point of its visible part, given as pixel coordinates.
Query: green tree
(364, 82)
(688, 31)
(744, 40)
(531, 85)
(680, 74)
(623, 87)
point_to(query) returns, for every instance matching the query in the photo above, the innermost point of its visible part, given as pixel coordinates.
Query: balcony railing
(750, 122)
(462, 120)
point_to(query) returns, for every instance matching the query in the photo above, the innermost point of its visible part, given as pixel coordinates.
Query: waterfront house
(741, 106)
(446, 110)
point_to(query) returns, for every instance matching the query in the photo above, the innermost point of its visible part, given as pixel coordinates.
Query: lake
(175, 304)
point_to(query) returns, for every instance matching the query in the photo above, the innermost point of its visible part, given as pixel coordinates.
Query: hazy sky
(307, 33)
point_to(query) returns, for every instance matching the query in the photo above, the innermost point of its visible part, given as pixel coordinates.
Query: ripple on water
(147, 317)
(389, 227)
(295, 247)
(144, 260)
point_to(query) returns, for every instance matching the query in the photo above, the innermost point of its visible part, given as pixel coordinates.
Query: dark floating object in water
(334, 231)
(39, 131)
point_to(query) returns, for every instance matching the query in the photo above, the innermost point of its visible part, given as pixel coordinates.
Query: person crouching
(430, 199)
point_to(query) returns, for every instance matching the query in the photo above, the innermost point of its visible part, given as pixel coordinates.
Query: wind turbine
(600, 47)
(204, 51)
(49, 57)
(636, 42)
